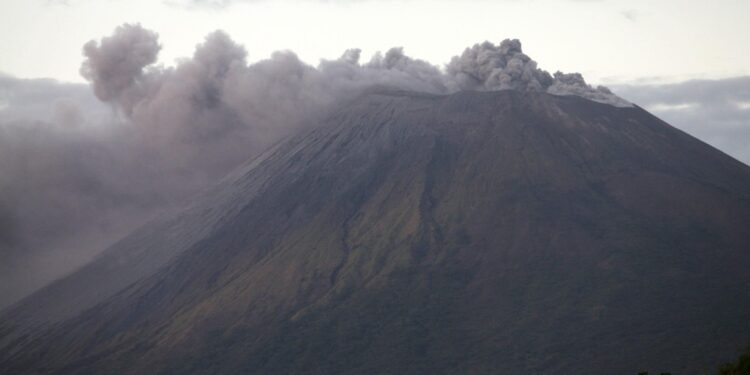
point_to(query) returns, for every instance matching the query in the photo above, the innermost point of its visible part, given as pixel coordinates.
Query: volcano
(503, 232)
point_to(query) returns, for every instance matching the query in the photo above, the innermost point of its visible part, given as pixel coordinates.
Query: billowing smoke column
(227, 109)
(217, 84)
(115, 65)
(213, 111)
(504, 67)
(70, 183)
(489, 67)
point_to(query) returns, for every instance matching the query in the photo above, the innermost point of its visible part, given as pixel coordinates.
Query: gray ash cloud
(77, 172)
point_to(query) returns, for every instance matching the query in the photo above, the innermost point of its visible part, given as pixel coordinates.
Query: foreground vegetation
(740, 367)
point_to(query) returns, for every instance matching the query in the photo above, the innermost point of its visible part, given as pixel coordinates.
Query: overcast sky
(606, 40)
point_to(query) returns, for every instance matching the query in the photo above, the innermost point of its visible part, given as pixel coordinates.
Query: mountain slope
(496, 232)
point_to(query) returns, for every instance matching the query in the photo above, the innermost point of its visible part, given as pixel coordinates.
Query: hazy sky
(609, 41)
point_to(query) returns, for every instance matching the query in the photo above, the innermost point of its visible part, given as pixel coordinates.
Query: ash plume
(489, 67)
(73, 178)
(115, 65)
(497, 67)
(217, 92)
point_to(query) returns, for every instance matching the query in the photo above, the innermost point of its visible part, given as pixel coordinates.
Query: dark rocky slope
(497, 232)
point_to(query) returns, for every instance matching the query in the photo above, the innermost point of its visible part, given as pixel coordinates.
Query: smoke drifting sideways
(77, 173)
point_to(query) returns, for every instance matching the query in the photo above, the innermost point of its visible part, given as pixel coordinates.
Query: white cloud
(664, 107)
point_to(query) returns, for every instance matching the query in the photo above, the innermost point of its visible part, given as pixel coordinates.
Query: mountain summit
(508, 232)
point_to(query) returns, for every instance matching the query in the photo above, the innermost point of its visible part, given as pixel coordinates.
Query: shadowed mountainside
(495, 232)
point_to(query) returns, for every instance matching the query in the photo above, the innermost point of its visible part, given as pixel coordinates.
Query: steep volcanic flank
(478, 232)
